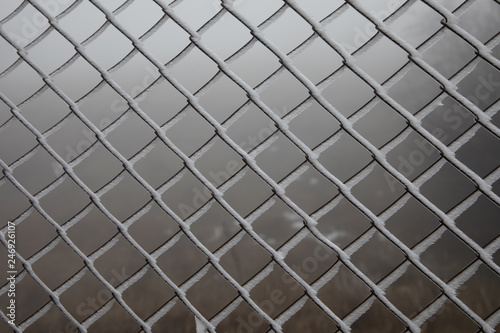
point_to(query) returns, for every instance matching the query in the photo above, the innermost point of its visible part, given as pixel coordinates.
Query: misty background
(249, 127)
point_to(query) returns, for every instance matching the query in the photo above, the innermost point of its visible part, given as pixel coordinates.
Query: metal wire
(483, 120)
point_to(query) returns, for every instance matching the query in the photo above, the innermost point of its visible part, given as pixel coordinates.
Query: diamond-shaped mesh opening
(91, 230)
(145, 297)
(250, 166)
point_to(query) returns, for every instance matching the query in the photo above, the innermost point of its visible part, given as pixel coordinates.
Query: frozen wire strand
(329, 142)
(51, 245)
(493, 176)
(200, 327)
(13, 327)
(108, 187)
(454, 147)
(355, 246)
(36, 203)
(219, 253)
(363, 307)
(429, 240)
(16, 11)
(235, 239)
(159, 23)
(229, 244)
(7, 123)
(465, 137)
(389, 279)
(285, 199)
(400, 73)
(435, 306)
(95, 35)
(395, 207)
(27, 266)
(162, 312)
(457, 300)
(133, 104)
(53, 295)
(429, 173)
(224, 313)
(188, 163)
(290, 244)
(361, 175)
(70, 282)
(464, 237)
(38, 38)
(494, 319)
(406, 250)
(464, 205)
(39, 195)
(422, 247)
(167, 245)
(458, 280)
(465, 71)
(100, 313)
(105, 248)
(381, 92)
(19, 278)
(431, 309)
(39, 314)
(293, 242)
(494, 245)
(416, 57)
(278, 191)
(293, 309)
(326, 208)
(24, 158)
(294, 175)
(67, 118)
(133, 279)
(199, 212)
(493, 109)
(327, 276)
(21, 217)
(451, 21)
(363, 48)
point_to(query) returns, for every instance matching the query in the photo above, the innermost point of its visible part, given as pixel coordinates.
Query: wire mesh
(308, 258)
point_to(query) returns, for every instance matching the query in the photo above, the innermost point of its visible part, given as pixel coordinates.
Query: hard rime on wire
(414, 324)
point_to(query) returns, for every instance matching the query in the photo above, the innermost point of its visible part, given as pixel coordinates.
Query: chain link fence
(250, 166)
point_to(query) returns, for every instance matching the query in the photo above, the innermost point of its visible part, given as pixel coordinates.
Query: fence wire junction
(407, 186)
